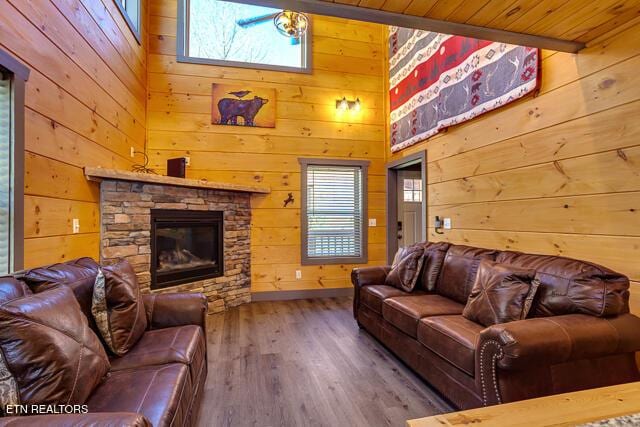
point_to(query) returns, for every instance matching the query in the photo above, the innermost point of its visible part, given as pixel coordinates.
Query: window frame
(135, 29)
(364, 240)
(183, 40)
(19, 76)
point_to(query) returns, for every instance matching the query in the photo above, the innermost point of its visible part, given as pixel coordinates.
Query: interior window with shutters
(5, 172)
(334, 212)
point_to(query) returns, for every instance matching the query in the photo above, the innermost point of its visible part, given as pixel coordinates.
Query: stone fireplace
(179, 235)
(186, 246)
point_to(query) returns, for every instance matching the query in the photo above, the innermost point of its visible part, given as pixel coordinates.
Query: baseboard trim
(304, 294)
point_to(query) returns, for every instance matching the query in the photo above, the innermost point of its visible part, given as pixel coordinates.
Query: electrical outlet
(372, 222)
(298, 274)
(133, 152)
(76, 225)
(447, 223)
(187, 161)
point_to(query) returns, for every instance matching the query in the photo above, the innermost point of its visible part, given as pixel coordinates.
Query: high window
(238, 35)
(130, 10)
(334, 209)
(12, 78)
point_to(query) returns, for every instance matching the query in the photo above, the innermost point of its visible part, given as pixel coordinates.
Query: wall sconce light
(343, 105)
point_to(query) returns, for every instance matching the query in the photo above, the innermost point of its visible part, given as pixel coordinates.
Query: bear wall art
(243, 106)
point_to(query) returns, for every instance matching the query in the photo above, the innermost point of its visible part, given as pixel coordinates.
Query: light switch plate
(298, 274)
(133, 152)
(187, 161)
(447, 223)
(372, 222)
(76, 225)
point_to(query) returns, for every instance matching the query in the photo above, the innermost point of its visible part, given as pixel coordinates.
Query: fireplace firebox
(186, 246)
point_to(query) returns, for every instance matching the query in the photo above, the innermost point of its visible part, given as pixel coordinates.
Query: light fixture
(344, 105)
(291, 24)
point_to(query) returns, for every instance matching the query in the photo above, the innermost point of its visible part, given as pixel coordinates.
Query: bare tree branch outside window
(215, 34)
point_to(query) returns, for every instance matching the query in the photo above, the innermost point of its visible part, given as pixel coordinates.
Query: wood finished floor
(305, 362)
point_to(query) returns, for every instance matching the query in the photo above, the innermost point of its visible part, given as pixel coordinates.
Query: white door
(409, 207)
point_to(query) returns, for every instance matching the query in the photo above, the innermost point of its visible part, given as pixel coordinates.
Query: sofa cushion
(434, 254)
(459, 271)
(373, 296)
(404, 312)
(79, 274)
(181, 344)
(453, 338)
(118, 308)
(501, 293)
(11, 288)
(51, 356)
(406, 272)
(162, 394)
(571, 286)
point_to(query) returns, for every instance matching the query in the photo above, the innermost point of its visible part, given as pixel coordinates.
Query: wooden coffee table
(567, 409)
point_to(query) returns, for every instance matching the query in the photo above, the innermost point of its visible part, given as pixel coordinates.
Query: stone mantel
(101, 174)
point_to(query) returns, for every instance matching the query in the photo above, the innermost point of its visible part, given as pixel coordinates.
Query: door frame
(392, 198)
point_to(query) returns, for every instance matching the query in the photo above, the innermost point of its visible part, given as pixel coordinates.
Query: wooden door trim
(392, 198)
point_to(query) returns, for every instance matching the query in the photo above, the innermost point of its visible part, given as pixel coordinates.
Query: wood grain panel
(49, 250)
(245, 143)
(563, 19)
(54, 217)
(46, 52)
(609, 214)
(611, 171)
(86, 105)
(608, 130)
(348, 61)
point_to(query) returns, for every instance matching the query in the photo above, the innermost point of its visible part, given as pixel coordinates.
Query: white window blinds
(5, 173)
(334, 211)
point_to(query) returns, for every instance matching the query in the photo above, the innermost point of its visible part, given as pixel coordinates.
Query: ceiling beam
(320, 7)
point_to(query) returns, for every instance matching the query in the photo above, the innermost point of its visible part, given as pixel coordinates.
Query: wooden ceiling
(574, 20)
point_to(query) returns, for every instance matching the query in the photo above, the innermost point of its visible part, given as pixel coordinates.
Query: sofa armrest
(366, 276)
(551, 340)
(546, 341)
(96, 419)
(176, 309)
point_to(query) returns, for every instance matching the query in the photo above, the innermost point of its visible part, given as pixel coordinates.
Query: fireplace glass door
(186, 247)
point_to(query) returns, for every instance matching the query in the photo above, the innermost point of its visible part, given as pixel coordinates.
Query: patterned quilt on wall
(438, 80)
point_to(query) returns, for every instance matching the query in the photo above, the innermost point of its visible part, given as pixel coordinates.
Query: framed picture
(246, 105)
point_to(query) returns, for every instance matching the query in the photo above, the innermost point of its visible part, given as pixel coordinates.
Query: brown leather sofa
(159, 381)
(579, 333)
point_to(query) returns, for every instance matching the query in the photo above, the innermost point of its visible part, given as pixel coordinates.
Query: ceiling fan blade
(256, 20)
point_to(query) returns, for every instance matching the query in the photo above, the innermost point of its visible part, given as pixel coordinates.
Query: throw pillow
(49, 355)
(79, 274)
(117, 307)
(501, 293)
(398, 256)
(405, 274)
(434, 255)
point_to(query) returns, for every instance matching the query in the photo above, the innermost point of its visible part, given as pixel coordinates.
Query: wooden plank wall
(348, 60)
(555, 174)
(85, 105)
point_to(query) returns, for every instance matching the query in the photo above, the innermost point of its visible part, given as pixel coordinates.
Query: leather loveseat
(159, 381)
(578, 335)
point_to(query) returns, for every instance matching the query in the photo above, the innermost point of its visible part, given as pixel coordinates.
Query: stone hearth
(126, 223)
